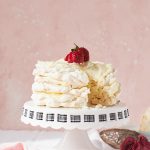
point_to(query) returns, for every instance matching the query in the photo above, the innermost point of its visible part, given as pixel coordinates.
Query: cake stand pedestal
(76, 122)
(75, 140)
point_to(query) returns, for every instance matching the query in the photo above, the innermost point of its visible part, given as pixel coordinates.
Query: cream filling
(50, 87)
(78, 97)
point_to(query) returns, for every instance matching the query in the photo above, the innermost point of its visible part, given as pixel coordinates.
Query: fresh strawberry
(69, 58)
(78, 55)
(85, 53)
(66, 58)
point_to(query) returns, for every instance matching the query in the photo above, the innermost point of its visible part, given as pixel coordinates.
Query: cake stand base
(75, 140)
(75, 121)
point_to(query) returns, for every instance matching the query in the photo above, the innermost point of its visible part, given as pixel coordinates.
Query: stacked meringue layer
(63, 84)
(60, 84)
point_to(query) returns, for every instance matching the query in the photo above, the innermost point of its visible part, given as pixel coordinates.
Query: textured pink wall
(114, 31)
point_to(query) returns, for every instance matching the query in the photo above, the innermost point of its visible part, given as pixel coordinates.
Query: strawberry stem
(76, 47)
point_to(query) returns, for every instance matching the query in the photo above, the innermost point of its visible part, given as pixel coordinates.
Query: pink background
(115, 31)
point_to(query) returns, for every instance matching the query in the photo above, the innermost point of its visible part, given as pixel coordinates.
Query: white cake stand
(76, 122)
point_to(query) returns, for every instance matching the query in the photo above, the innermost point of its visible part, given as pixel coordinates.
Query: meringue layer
(62, 84)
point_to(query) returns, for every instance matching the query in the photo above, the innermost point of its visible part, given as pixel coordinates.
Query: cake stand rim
(73, 111)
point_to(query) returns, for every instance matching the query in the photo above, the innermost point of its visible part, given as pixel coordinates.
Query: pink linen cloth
(18, 146)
